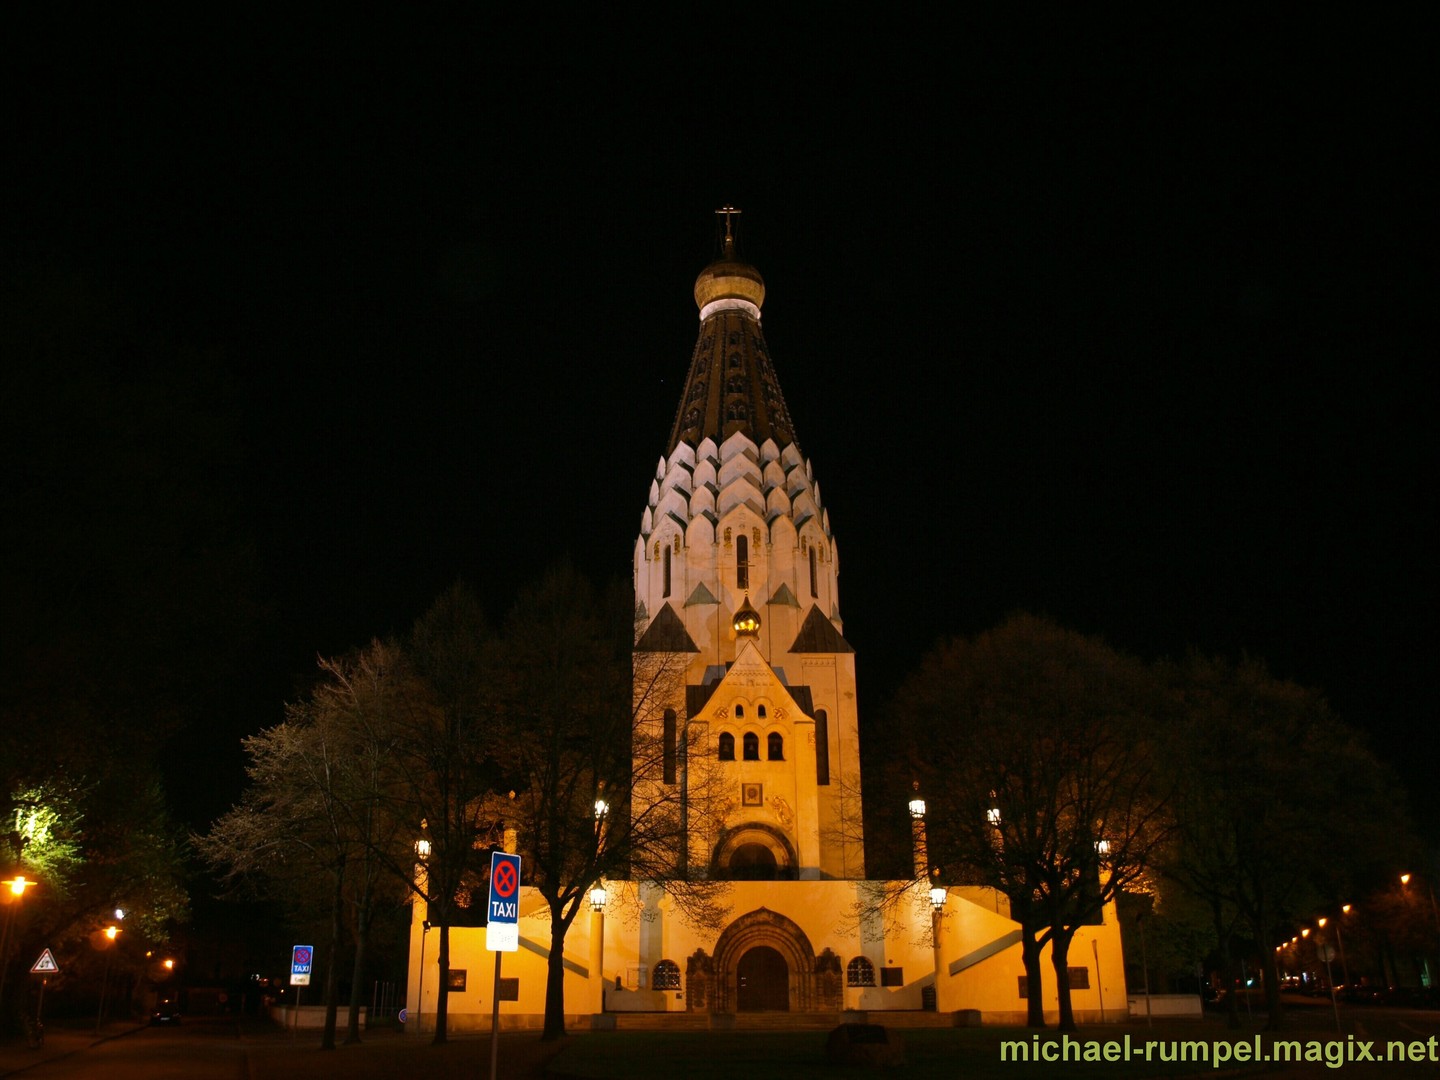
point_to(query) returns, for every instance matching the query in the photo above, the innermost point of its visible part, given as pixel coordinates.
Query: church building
(736, 571)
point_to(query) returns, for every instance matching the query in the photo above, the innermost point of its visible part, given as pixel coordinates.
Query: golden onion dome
(729, 278)
(747, 619)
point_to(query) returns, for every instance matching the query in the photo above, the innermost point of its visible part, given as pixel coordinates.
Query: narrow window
(814, 578)
(822, 747)
(752, 746)
(860, 972)
(740, 712)
(666, 976)
(667, 571)
(727, 747)
(669, 746)
(775, 747)
(760, 709)
(742, 561)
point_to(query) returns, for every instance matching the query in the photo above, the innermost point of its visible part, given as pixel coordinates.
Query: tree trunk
(555, 980)
(1060, 961)
(357, 972)
(1272, 975)
(442, 992)
(1227, 967)
(1034, 997)
(332, 969)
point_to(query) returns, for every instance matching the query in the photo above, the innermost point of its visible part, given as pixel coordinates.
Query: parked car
(167, 1009)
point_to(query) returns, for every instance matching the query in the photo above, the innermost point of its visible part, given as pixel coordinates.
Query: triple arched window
(750, 746)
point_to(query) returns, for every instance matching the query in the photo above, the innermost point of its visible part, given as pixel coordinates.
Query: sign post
(44, 967)
(502, 931)
(302, 961)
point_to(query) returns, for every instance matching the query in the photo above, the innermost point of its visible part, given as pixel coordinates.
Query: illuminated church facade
(736, 572)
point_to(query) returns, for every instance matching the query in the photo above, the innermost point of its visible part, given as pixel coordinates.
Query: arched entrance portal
(763, 960)
(762, 981)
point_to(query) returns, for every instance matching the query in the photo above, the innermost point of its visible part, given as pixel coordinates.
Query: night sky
(1114, 322)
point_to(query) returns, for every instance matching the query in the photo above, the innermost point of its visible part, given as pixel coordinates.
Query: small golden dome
(747, 619)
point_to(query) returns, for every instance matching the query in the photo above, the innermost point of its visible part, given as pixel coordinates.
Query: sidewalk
(16, 1054)
(272, 1053)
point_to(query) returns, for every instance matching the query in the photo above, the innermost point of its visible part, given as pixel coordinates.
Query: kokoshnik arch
(736, 571)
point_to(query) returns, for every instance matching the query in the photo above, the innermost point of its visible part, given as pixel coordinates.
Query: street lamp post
(16, 887)
(598, 897)
(938, 895)
(111, 934)
(920, 857)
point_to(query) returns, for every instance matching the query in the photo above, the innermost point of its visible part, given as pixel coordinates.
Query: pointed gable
(701, 595)
(783, 595)
(818, 635)
(666, 633)
(749, 672)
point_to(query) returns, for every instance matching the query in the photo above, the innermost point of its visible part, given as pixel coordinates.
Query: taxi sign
(46, 965)
(502, 927)
(302, 959)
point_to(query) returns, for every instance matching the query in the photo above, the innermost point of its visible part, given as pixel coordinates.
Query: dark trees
(322, 807)
(572, 718)
(1279, 805)
(448, 776)
(1034, 748)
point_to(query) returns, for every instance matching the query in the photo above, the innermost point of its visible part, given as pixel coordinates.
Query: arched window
(752, 746)
(760, 710)
(822, 747)
(669, 753)
(666, 976)
(740, 712)
(775, 746)
(742, 561)
(860, 972)
(666, 591)
(814, 578)
(726, 750)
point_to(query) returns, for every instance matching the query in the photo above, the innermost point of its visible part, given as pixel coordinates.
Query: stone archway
(764, 940)
(754, 851)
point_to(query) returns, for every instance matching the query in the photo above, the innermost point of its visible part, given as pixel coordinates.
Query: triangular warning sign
(45, 965)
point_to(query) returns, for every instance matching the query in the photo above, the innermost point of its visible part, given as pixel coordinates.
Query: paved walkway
(17, 1054)
(274, 1054)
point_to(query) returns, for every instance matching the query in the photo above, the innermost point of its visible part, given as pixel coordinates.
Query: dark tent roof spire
(731, 385)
